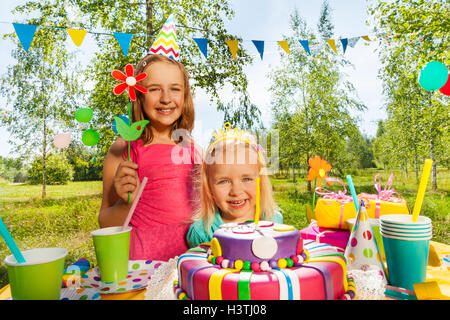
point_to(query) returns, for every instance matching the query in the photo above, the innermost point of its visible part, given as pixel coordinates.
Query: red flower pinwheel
(128, 81)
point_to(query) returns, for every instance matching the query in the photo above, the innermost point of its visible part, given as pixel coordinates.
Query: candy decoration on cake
(166, 41)
(362, 252)
(129, 131)
(263, 264)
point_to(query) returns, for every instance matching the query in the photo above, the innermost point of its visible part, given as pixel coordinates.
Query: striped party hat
(166, 42)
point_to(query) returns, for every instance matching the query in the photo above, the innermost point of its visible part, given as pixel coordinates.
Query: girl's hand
(126, 180)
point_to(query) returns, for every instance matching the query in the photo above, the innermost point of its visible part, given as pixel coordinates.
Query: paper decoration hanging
(166, 41)
(25, 32)
(62, 140)
(259, 44)
(332, 44)
(344, 42)
(362, 252)
(124, 40)
(305, 45)
(446, 88)
(366, 38)
(84, 114)
(77, 36)
(285, 46)
(202, 44)
(233, 45)
(353, 41)
(90, 137)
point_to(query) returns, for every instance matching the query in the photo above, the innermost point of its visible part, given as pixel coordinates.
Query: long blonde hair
(186, 120)
(208, 207)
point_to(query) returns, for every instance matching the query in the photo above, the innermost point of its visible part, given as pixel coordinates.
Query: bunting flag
(166, 41)
(305, 45)
(233, 45)
(25, 32)
(77, 36)
(202, 44)
(124, 40)
(332, 44)
(344, 44)
(259, 44)
(352, 41)
(366, 38)
(285, 46)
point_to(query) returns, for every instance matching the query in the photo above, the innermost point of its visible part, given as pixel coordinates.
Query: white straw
(135, 202)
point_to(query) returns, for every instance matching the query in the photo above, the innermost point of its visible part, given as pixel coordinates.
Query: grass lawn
(69, 213)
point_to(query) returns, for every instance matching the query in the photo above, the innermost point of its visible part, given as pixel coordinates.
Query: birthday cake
(267, 261)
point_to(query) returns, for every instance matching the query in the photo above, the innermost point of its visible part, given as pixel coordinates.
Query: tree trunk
(44, 156)
(433, 167)
(293, 173)
(149, 7)
(309, 182)
(416, 167)
(406, 168)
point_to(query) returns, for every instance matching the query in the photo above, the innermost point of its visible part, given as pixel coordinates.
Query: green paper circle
(90, 137)
(433, 76)
(84, 114)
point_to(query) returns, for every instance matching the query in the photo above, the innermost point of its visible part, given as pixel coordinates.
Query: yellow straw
(422, 188)
(258, 179)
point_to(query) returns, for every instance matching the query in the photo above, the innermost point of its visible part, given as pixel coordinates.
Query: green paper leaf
(84, 114)
(130, 133)
(90, 137)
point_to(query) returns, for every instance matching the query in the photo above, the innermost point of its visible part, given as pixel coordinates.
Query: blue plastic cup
(406, 260)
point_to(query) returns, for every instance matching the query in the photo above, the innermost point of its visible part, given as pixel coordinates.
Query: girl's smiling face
(165, 98)
(233, 187)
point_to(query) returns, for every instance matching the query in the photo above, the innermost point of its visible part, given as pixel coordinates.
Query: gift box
(335, 208)
(335, 237)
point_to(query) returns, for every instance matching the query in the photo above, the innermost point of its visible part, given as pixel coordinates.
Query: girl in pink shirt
(166, 155)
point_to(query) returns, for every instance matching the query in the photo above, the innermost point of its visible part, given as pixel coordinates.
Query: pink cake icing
(265, 262)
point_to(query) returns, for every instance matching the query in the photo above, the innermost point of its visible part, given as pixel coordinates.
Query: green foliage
(87, 162)
(312, 101)
(59, 171)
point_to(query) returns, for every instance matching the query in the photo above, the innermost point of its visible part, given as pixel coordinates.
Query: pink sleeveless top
(160, 221)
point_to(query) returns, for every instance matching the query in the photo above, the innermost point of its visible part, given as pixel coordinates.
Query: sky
(266, 20)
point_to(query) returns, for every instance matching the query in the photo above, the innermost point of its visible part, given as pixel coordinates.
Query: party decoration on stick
(353, 191)
(129, 132)
(317, 172)
(11, 243)
(422, 188)
(135, 202)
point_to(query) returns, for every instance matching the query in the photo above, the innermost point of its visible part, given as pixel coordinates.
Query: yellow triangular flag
(332, 44)
(285, 46)
(233, 45)
(77, 36)
(366, 38)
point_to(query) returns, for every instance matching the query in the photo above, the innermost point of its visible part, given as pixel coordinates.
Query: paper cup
(375, 224)
(402, 226)
(40, 277)
(406, 261)
(112, 249)
(404, 220)
(406, 231)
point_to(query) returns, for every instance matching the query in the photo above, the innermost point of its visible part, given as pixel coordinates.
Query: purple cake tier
(267, 241)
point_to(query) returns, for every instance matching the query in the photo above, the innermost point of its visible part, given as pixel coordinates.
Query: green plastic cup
(40, 277)
(112, 249)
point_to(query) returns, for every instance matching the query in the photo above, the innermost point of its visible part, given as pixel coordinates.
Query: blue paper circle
(433, 76)
(124, 118)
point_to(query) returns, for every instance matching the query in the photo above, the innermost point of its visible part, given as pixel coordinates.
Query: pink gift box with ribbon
(335, 237)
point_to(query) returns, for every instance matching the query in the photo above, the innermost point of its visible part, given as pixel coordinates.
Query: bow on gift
(340, 196)
(387, 194)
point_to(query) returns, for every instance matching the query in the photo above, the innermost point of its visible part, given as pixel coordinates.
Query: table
(436, 271)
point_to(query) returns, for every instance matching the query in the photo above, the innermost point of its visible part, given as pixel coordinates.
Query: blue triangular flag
(25, 32)
(202, 44)
(124, 40)
(305, 45)
(344, 44)
(259, 44)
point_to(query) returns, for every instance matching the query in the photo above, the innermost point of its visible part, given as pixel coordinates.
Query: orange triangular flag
(285, 46)
(77, 36)
(332, 44)
(366, 38)
(233, 45)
